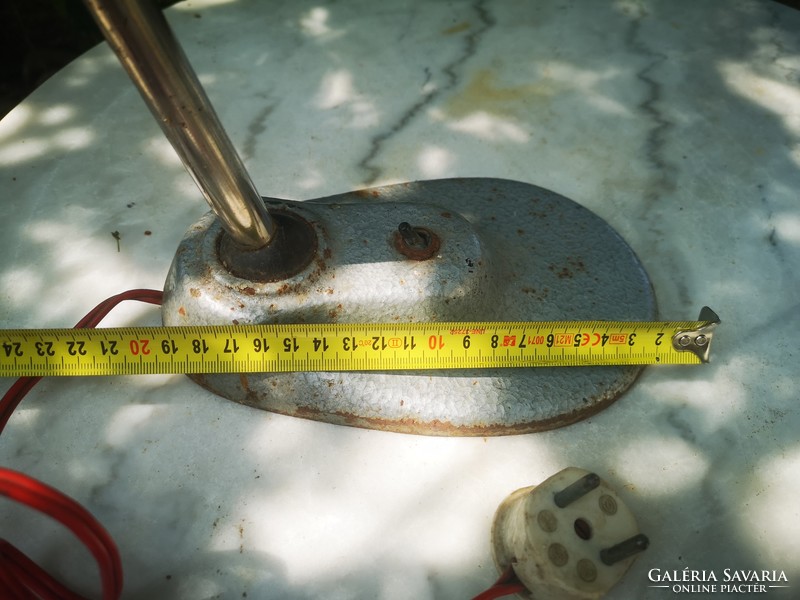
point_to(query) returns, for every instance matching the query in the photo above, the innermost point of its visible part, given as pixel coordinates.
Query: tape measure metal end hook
(698, 341)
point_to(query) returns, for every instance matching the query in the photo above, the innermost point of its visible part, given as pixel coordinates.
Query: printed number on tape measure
(352, 347)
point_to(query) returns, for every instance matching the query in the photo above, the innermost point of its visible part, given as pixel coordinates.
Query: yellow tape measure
(352, 347)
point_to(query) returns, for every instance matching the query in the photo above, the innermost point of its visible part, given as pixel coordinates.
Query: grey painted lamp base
(507, 251)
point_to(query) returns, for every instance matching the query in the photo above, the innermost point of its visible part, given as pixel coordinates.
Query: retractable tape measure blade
(352, 347)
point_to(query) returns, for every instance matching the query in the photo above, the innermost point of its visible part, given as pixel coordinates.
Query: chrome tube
(141, 38)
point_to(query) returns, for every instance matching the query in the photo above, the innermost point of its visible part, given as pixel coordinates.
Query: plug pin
(623, 550)
(576, 490)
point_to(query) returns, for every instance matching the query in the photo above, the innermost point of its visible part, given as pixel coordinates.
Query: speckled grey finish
(509, 251)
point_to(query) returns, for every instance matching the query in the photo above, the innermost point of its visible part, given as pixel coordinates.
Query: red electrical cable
(32, 493)
(21, 578)
(23, 385)
(42, 584)
(506, 585)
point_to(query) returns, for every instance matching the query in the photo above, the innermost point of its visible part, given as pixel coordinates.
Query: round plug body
(569, 538)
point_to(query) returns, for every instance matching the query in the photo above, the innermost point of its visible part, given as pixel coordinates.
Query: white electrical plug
(569, 538)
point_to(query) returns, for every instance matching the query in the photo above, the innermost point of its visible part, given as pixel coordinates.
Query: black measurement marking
(110, 348)
(12, 348)
(290, 345)
(76, 348)
(199, 346)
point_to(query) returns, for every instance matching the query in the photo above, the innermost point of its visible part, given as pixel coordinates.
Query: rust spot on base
(244, 383)
(435, 427)
(418, 253)
(334, 313)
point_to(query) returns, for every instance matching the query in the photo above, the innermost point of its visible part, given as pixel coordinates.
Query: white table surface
(676, 121)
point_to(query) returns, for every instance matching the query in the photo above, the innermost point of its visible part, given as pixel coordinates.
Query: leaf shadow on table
(157, 463)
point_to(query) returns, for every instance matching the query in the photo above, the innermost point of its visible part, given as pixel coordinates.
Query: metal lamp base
(467, 250)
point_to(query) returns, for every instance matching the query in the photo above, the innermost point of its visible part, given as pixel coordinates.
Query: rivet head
(607, 504)
(547, 521)
(586, 570)
(558, 555)
(684, 341)
(417, 243)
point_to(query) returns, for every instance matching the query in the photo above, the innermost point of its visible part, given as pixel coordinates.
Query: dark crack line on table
(656, 139)
(663, 172)
(776, 242)
(255, 129)
(774, 22)
(450, 70)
